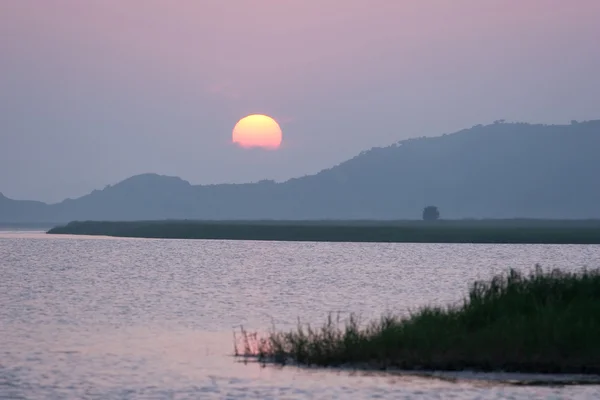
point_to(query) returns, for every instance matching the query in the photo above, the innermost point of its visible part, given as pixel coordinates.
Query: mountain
(502, 170)
(21, 210)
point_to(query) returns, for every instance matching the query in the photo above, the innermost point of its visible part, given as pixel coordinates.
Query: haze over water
(150, 319)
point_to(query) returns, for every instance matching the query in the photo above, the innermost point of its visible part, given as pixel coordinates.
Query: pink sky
(158, 85)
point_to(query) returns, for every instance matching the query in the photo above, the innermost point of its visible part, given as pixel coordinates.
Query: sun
(257, 130)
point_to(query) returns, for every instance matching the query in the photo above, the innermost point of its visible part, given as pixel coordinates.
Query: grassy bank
(547, 322)
(451, 231)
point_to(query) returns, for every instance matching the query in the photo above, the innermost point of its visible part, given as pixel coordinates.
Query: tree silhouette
(431, 213)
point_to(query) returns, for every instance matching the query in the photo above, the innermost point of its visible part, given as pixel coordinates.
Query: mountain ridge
(501, 170)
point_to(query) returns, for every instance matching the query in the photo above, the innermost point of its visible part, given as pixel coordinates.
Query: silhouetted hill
(22, 210)
(503, 170)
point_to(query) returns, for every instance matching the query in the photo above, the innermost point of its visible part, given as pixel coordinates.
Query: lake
(106, 318)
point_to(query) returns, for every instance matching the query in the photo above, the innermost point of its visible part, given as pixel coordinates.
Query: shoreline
(447, 231)
(466, 375)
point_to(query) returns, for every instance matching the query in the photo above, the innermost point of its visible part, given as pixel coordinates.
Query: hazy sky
(92, 92)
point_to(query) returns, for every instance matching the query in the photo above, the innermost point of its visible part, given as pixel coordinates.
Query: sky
(95, 91)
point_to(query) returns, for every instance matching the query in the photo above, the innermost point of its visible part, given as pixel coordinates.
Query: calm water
(100, 318)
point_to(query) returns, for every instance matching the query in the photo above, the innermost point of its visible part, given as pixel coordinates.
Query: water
(105, 318)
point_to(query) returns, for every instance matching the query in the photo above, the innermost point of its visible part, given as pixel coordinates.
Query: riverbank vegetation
(544, 321)
(441, 231)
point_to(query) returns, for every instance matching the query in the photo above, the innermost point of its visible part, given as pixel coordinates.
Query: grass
(450, 231)
(543, 322)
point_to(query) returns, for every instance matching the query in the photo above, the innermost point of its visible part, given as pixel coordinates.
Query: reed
(543, 321)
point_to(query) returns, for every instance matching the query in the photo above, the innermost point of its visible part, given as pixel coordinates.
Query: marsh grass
(450, 231)
(544, 321)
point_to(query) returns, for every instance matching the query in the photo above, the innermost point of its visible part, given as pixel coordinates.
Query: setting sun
(257, 130)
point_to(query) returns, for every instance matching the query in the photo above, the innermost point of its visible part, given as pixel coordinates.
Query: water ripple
(103, 318)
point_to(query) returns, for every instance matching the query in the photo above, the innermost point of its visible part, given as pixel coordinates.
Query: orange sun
(257, 130)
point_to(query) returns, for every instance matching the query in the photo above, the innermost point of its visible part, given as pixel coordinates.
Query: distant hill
(21, 210)
(503, 170)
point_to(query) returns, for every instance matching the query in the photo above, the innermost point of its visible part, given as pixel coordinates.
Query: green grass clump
(545, 321)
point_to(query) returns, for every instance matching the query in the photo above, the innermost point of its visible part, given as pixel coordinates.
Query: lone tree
(431, 213)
